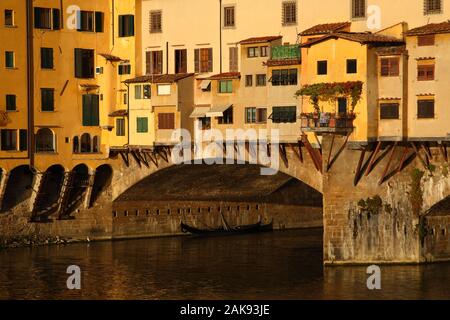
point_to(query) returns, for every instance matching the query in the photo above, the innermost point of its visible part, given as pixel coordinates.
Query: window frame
(228, 88)
(141, 124)
(12, 136)
(10, 56)
(49, 65)
(352, 66)
(229, 19)
(227, 117)
(423, 115)
(428, 70)
(254, 54)
(429, 11)
(320, 65)
(127, 26)
(258, 78)
(47, 93)
(84, 59)
(389, 115)
(249, 80)
(392, 69)
(153, 24)
(166, 121)
(11, 98)
(11, 11)
(290, 113)
(287, 20)
(120, 128)
(358, 9)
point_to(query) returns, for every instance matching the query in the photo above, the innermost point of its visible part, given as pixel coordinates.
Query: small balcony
(326, 122)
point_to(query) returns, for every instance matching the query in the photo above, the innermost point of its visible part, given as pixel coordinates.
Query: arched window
(45, 140)
(76, 144)
(85, 143)
(95, 144)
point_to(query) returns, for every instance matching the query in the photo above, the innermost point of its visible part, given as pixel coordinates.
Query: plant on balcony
(330, 92)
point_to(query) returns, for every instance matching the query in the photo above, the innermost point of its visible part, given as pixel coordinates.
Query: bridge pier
(3, 183)
(88, 194)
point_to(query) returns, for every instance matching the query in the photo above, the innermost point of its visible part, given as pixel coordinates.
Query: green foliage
(371, 205)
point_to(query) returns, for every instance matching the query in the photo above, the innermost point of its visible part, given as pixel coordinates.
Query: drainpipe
(167, 57)
(220, 33)
(113, 21)
(30, 80)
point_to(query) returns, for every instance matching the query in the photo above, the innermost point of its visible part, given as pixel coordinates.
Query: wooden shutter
(166, 121)
(234, 62)
(197, 60)
(23, 140)
(99, 21)
(426, 40)
(56, 19)
(394, 66)
(425, 109)
(389, 111)
(425, 72)
(90, 110)
(159, 62)
(148, 62)
(210, 59)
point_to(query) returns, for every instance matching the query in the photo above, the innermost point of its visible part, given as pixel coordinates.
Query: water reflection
(280, 265)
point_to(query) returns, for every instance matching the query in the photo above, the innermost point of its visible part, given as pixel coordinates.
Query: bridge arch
(18, 187)
(102, 181)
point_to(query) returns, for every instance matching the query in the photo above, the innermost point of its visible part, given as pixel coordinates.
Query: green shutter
(230, 86)
(56, 19)
(78, 63)
(23, 140)
(95, 114)
(142, 125)
(91, 110)
(9, 59)
(86, 109)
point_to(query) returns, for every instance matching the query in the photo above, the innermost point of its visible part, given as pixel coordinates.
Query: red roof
(432, 28)
(283, 62)
(361, 37)
(159, 78)
(326, 28)
(260, 39)
(110, 57)
(119, 113)
(225, 76)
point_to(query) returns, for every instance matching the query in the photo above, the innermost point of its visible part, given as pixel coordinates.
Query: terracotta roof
(119, 113)
(260, 39)
(432, 28)
(160, 78)
(110, 57)
(387, 51)
(283, 62)
(226, 75)
(361, 37)
(89, 86)
(325, 28)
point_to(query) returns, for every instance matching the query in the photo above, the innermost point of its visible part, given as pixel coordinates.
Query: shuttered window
(155, 21)
(126, 25)
(284, 114)
(142, 124)
(426, 40)
(120, 127)
(322, 67)
(86, 22)
(234, 59)
(432, 7)
(390, 67)
(203, 60)
(9, 17)
(11, 102)
(284, 77)
(264, 51)
(227, 117)
(42, 18)
(138, 92)
(99, 21)
(289, 13)
(352, 66)
(8, 139)
(9, 59)
(249, 80)
(425, 109)
(47, 99)
(166, 121)
(255, 115)
(181, 61)
(23, 140)
(358, 9)
(260, 80)
(47, 58)
(84, 63)
(125, 68)
(225, 86)
(389, 110)
(56, 19)
(91, 110)
(425, 72)
(154, 62)
(228, 16)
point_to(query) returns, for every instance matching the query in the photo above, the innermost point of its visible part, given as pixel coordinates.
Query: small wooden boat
(252, 228)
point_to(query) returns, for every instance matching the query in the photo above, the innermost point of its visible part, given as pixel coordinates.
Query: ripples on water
(279, 265)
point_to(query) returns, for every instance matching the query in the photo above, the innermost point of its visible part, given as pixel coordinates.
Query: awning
(218, 111)
(119, 113)
(200, 112)
(205, 84)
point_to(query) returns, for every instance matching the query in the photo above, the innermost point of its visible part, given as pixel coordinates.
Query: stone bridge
(382, 202)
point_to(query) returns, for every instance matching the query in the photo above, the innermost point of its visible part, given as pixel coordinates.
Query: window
(284, 114)
(125, 98)
(425, 109)
(255, 115)
(227, 117)
(426, 40)
(9, 17)
(85, 143)
(45, 140)
(181, 61)
(76, 145)
(43, 18)
(358, 9)
(138, 92)
(84, 63)
(90, 110)
(249, 80)
(234, 59)
(86, 22)
(260, 80)
(289, 12)
(264, 51)
(166, 121)
(11, 102)
(205, 123)
(47, 99)
(432, 7)
(99, 21)
(47, 58)
(342, 105)
(284, 77)
(389, 110)
(56, 19)
(322, 67)
(154, 62)
(120, 127)
(124, 68)
(425, 72)
(155, 21)
(203, 60)
(23, 139)
(142, 125)
(9, 60)
(352, 66)
(228, 17)
(225, 86)
(390, 67)
(8, 139)
(147, 91)
(164, 89)
(95, 144)
(126, 25)
(252, 52)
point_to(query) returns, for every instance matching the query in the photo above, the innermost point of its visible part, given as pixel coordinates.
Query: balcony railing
(326, 122)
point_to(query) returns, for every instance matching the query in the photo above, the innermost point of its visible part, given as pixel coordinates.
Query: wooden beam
(336, 156)
(427, 152)
(426, 166)
(315, 156)
(136, 158)
(125, 158)
(282, 148)
(443, 149)
(318, 142)
(299, 152)
(358, 172)
(329, 153)
(153, 158)
(402, 160)
(383, 175)
(372, 158)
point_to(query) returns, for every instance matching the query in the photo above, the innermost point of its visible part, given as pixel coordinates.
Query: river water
(278, 265)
